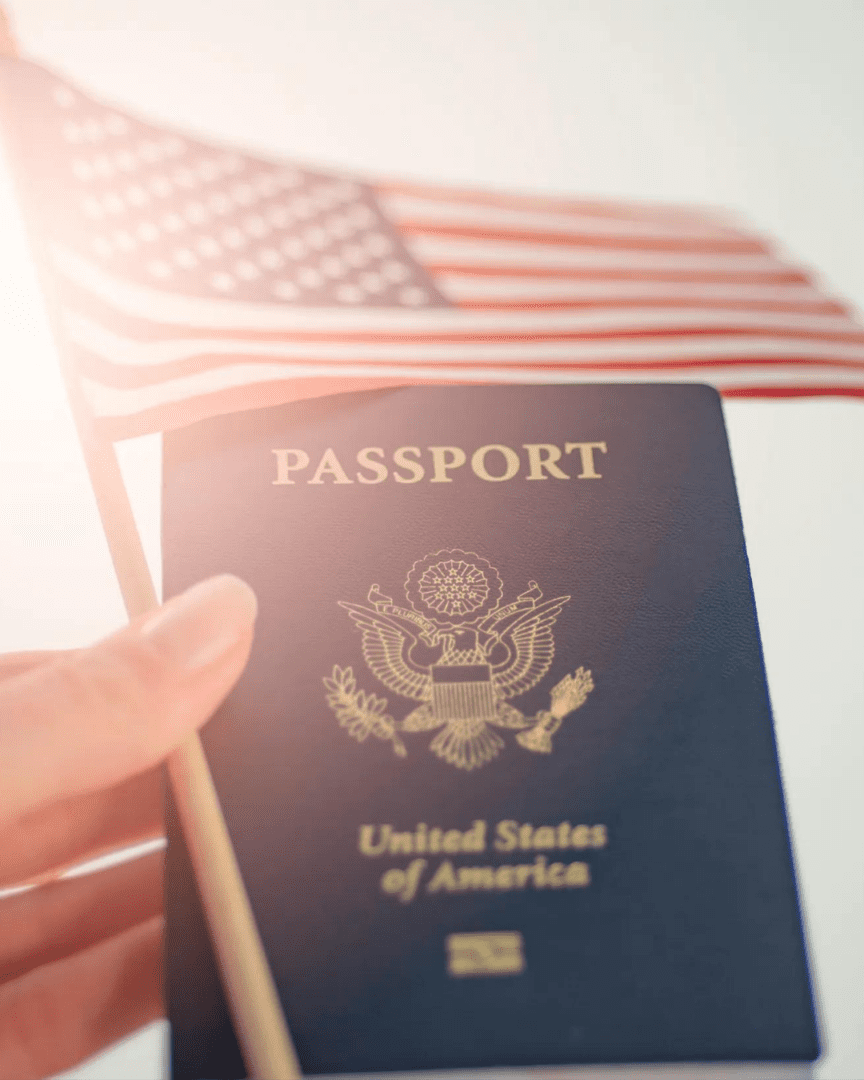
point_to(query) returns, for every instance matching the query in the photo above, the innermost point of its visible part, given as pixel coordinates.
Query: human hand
(81, 738)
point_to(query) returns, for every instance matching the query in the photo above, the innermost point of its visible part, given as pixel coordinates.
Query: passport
(501, 775)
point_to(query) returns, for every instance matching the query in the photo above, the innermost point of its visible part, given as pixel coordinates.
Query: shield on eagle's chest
(462, 692)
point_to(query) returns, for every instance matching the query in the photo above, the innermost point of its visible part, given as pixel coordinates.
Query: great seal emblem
(462, 655)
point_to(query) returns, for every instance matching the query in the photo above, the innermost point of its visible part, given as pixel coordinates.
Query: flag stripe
(162, 357)
(682, 217)
(822, 307)
(821, 368)
(189, 408)
(145, 302)
(596, 242)
(835, 390)
(109, 401)
(195, 407)
(156, 307)
(780, 275)
(529, 326)
(472, 289)
(524, 256)
(406, 208)
(125, 310)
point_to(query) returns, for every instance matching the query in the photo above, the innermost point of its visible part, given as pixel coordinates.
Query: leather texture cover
(501, 774)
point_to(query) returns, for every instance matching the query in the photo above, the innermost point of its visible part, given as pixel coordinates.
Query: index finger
(17, 663)
(92, 718)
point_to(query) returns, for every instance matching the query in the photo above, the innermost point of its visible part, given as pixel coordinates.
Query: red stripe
(793, 391)
(800, 307)
(379, 337)
(127, 378)
(781, 276)
(601, 241)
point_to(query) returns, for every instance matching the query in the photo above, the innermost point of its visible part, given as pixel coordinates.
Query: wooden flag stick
(257, 1012)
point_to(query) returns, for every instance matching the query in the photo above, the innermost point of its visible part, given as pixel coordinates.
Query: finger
(98, 716)
(54, 921)
(48, 840)
(54, 1017)
(18, 662)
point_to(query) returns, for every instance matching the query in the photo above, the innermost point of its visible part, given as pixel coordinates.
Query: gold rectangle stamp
(495, 953)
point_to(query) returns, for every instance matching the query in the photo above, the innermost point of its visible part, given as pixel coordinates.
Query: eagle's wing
(386, 641)
(531, 648)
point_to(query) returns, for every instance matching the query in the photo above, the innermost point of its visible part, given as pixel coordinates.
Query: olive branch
(361, 714)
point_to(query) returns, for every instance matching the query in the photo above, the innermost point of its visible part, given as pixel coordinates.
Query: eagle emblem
(462, 655)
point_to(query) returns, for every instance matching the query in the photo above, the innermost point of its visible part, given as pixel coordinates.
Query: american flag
(192, 280)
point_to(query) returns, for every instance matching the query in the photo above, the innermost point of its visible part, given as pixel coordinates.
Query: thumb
(95, 717)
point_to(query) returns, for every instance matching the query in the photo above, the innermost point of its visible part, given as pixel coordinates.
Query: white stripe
(107, 401)
(124, 352)
(460, 287)
(492, 254)
(400, 208)
(561, 324)
(169, 308)
(681, 217)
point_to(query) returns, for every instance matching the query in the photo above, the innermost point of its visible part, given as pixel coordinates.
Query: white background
(754, 106)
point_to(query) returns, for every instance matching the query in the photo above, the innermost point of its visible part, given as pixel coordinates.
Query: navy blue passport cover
(572, 661)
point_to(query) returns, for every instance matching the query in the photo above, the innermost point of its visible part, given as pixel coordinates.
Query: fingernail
(197, 627)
